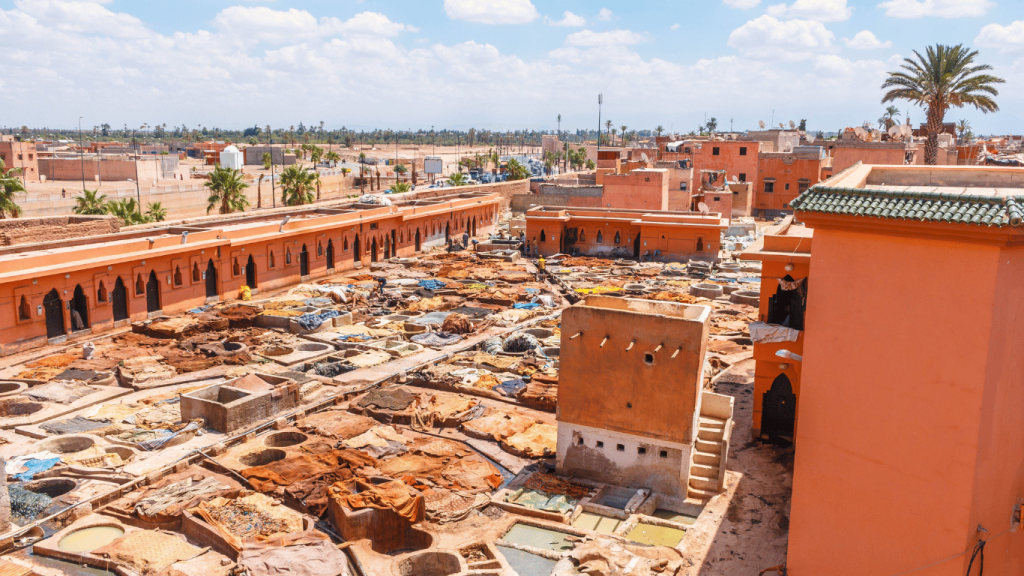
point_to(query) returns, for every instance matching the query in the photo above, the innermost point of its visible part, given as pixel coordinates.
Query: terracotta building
(909, 443)
(630, 397)
(625, 233)
(785, 175)
(785, 254)
(20, 155)
(50, 290)
(643, 189)
(738, 158)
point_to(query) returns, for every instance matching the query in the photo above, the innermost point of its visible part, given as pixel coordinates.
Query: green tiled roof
(978, 209)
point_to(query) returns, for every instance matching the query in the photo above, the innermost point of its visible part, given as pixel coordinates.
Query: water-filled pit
(87, 539)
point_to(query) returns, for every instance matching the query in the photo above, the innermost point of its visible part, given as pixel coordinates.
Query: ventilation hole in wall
(579, 442)
(629, 404)
(620, 448)
(641, 450)
(600, 444)
(649, 359)
(663, 453)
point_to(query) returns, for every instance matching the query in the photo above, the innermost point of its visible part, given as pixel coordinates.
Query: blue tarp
(313, 321)
(437, 339)
(510, 387)
(431, 284)
(526, 305)
(35, 467)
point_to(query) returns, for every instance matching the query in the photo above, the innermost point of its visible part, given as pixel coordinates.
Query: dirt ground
(751, 533)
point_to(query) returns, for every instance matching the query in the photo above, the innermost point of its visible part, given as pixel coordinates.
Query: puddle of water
(69, 568)
(91, 538)
(655, 535)
(542, 538)
(674, 516)
(526, 564)
(596, 523)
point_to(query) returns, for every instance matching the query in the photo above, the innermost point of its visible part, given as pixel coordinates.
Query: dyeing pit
(615, 497)
(233, 346)
(52, 487)
(674, 516)
(124, 452)
(67, 444)
(536, 537)
(539, 333)
(551, 351)
(15, 408)
(748, 297)
(313, 347)
(11, 388)
(278, 351)
(430, 564)
(526, 563)
(596, 523)
(283, 439)
(69, 568)
(91, 538)
(652, 535)
(262, 458)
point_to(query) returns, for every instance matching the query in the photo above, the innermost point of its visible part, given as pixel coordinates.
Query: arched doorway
(80, 305)
(636, 247)
(54, 314)
(119, 298)
(356, 256)
(330, 255)
(152, 293)
(417, 239)
(394, 246)
(387, 246)
(474, 225)
(304, 261)
(211, 280)
(447, 231)
(778, 408)
(250, 273)
(373, 250)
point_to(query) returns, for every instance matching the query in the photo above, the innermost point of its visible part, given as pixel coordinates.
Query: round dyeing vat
(12, 388)
(91, 538)
(12, 407)
(52, 487)
(262, 458)
(283, 439)
(234, 346)
(313, 347)
(430, 564)
(67, 444)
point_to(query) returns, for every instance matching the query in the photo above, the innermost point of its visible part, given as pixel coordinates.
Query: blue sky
(495, 64)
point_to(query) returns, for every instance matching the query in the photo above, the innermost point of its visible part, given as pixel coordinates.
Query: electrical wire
(974, 551)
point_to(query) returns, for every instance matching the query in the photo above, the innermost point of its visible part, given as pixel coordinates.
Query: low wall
(26, 230)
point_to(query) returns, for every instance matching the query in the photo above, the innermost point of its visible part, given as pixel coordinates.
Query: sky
(487, 64)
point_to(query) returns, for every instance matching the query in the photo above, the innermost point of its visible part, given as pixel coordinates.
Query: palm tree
(400, 188)
(886, 121)
(259, 192)
(297, 186)
(623, 129)
(9, 186)
(155, 212)
(332, 156)
(317, 181)
(90, 203)
(226, 189)
(517, 171)
(963, 127)
(945, 77)
(457, 179)
(127, 211)
(659, 130)
(400, 171)
(267, 160)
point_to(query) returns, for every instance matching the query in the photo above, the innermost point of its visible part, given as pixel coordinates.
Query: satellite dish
(643, 156)
(906, 129)
(761, 124)
(703, 208)
(788, 148)
(792, 124)
(781, 125)
(859, 131)
(810, 139)
(876, 134)
(894, 131)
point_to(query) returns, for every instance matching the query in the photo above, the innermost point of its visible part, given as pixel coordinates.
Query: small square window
(620, 447)
(715, 151)
(787, 185)
(579, 442)
(743, 177)
(600, 444)
(718, 198)
(663, 453)
(743, 150)
(641, 450)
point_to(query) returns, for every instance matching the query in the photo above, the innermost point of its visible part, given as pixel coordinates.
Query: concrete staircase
(711, 447)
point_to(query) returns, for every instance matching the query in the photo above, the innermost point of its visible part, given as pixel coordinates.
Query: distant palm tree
(457, 179)
(400, 171)
(9, 186)
(886, 121)
(297, 186)
(267, 160)
(90, 203)
(332, 156)
(963, 127)
(259, 192)
(155, 212)
(317, 181)
(659, 130)
(226, 189)
(623, 129)
(945, 77)
(127, 211)
(400, 188)
(516, 171)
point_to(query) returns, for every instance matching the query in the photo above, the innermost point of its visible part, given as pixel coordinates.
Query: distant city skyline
(486, 64)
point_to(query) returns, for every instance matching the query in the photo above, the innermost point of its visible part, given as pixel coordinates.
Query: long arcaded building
(50, 291)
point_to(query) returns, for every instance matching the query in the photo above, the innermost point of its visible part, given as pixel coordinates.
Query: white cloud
(742, 4)
(569, 19)
(81, 16)
(604, 14)
(674, 26)
(262, 24)
(939, 8)
(491, 11)
(1006, 38)
(767, 37)
(821, 10)
(866, 40)
(610, 38)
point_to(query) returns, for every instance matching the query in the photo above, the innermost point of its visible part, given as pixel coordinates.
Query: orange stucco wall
(788, 173)
(843, 157)
(88, 266)
(728, 159)
(637, 190)
(909, 411)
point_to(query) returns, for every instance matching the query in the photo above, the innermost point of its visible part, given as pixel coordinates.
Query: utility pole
(600, 100)
(81, 152)
(273, 194)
